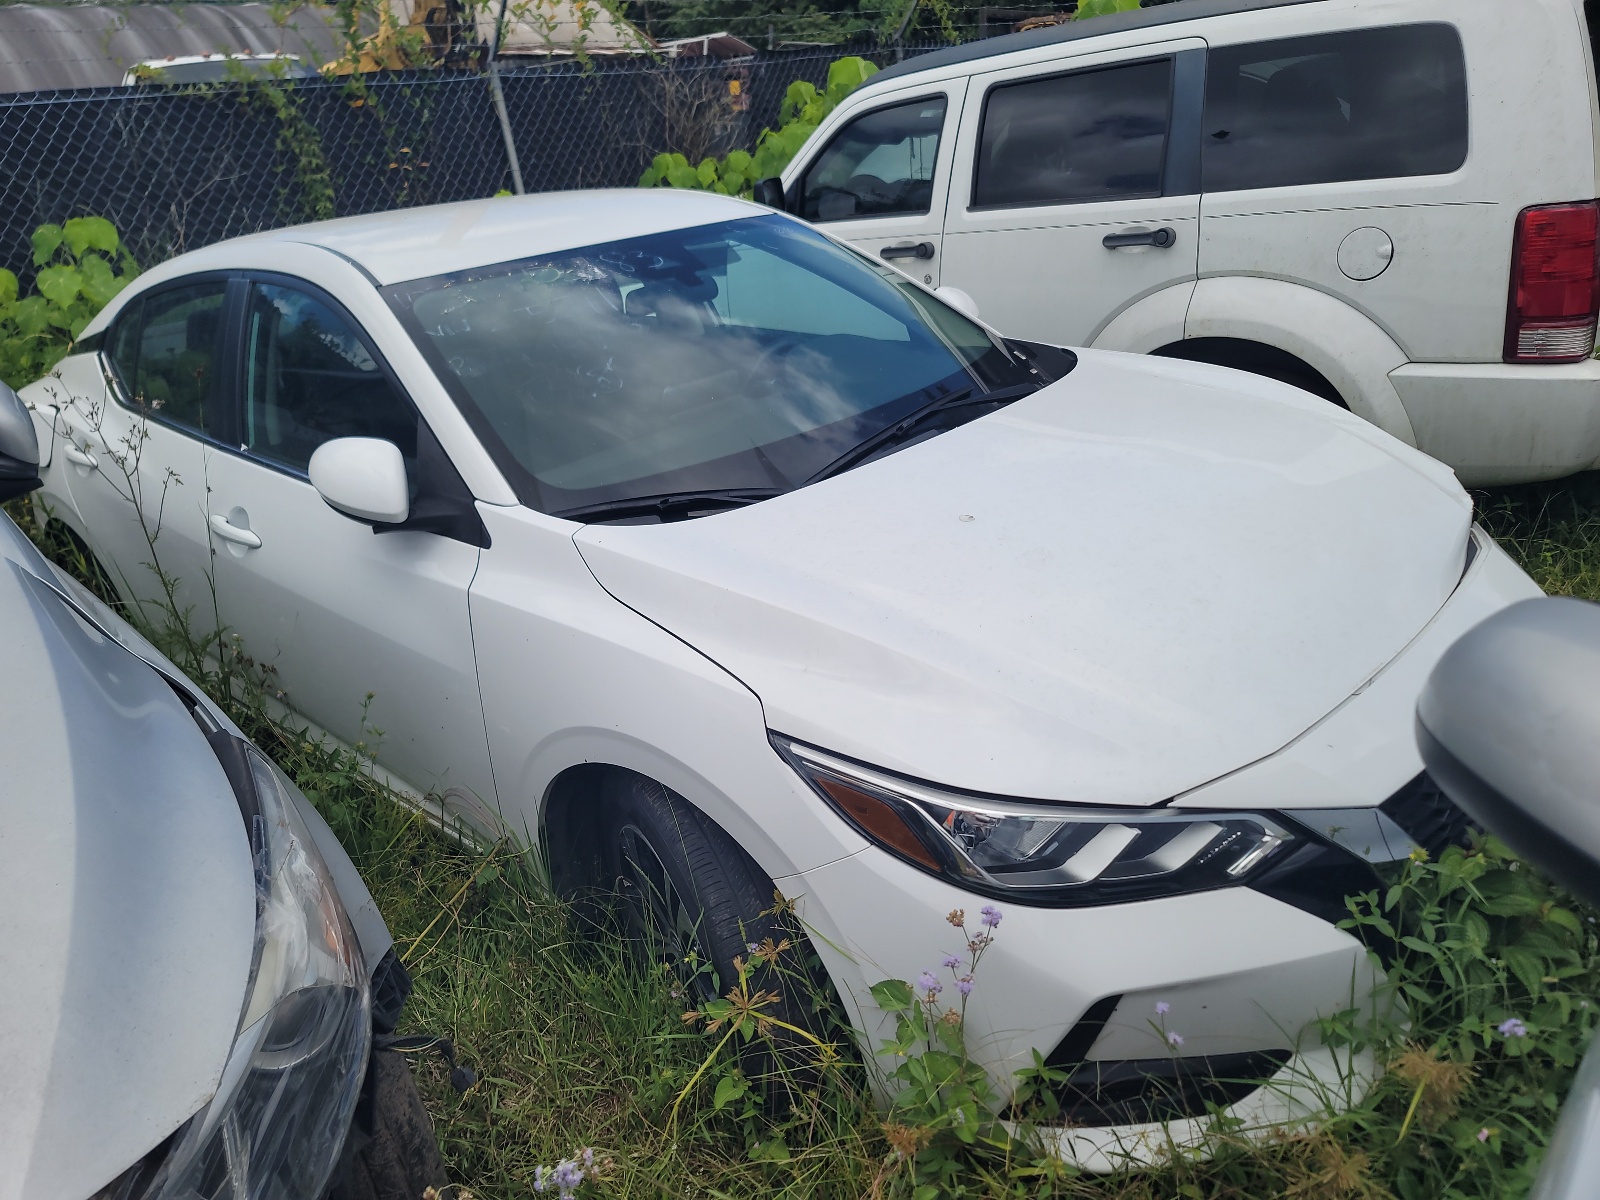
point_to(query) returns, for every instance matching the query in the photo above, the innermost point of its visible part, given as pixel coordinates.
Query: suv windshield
(698, 368)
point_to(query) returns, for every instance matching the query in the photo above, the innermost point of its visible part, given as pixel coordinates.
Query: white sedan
(708, 555)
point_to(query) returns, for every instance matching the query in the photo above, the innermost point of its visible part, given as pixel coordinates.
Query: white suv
(1386, 202)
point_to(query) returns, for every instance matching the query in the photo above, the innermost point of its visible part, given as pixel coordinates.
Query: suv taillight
(1555, 284)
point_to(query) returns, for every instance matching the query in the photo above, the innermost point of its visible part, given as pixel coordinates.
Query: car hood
(127, 894)
(1138, 579)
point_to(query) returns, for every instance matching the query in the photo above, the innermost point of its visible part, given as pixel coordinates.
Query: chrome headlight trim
(1042, 853)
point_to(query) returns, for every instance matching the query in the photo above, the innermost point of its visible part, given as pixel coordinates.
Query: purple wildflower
(951, 962)
(588, 1157)
(752, 947)
(929, 982)
(1162, 1008)
(1483, 1135)
(964, 985)
(991, 915)
(1175, 1039)
(1512, 1027)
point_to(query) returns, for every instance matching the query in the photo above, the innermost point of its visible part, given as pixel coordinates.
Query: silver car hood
(1127, 584)
(127, 898)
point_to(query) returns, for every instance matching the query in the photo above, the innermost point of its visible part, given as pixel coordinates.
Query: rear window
(1367, 104)
(1094, 135)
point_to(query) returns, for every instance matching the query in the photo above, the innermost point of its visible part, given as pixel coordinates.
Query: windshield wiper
(910, 425)
(668, 506)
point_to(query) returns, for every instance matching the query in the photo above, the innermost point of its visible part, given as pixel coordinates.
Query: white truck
(1390, 203)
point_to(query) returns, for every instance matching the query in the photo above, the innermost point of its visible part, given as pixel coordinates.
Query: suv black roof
(1161, 12)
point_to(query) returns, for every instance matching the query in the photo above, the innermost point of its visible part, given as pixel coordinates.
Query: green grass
(577, 1044)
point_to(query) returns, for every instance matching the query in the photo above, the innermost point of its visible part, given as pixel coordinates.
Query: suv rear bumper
(1499, 423)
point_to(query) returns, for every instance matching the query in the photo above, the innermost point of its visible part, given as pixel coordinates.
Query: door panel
(881, 181)
(1052, 161)
(340, 613)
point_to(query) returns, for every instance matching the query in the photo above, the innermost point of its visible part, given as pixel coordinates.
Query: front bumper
(1503, 423)
(1241, 973)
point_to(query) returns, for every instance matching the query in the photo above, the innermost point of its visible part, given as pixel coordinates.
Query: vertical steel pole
(900, 34)
(500, 103)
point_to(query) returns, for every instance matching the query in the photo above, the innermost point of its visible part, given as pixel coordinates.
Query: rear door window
(165, 349)
(1092, 135)
(879, 165)
(1366, 104)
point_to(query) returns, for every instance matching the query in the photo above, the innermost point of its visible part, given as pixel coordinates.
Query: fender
(1352, 352)
(1148, 323)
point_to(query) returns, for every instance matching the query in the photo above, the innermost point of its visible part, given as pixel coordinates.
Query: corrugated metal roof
(47, 47)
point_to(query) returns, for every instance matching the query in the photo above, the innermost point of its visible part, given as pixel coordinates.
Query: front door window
(881, 164)
(310, 377)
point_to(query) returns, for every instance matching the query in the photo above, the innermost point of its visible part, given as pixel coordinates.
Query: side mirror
(770, 193)
(364, 478)
(1509, 727)
(19, 447)
(958, 300)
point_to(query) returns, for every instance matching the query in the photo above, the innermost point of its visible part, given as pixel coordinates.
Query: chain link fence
(175, 169)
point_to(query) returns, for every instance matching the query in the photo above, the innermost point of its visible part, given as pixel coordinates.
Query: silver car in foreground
(196, 989)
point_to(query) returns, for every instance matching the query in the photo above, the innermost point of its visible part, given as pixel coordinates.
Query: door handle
(907, 250)
(81, 457)
(1160, 238)
(228, 531)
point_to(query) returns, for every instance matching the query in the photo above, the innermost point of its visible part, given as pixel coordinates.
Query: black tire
(391, 1152)
(691, 897)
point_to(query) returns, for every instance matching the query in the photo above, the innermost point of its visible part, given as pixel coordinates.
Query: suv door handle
(81, 457)
(1160, 238)
(908, 250)
(228, 531)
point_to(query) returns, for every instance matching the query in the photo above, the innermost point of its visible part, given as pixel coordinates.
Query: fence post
(500, 103)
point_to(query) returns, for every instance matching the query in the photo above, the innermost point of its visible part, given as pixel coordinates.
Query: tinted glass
(122, 344)
(1370, 104)
(1096, 135)
(750, 354)
(309, 377)
(164, 349)
(879, 164)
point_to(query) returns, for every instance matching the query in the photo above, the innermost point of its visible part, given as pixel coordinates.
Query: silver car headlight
(1047, 854)
(275, 1127)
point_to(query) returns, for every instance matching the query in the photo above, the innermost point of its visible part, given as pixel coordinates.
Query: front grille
(1428, 816)
(1140, 1091)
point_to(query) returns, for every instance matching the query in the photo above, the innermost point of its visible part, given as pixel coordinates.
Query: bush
(802, 111)
(81, 266)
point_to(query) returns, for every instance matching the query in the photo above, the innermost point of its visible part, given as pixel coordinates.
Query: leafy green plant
(944, 1106)
(736, 173)
(80, 265)
(1102, 8)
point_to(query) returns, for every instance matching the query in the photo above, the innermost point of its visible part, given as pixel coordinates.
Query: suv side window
(310, 377)
(164, 351)
(1094, 135)
(881, 164)
(1367, 104)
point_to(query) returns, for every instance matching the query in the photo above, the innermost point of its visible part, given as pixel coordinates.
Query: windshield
(748, 355)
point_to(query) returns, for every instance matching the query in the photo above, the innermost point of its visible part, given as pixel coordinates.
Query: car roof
(1162, 12)
(415, 243)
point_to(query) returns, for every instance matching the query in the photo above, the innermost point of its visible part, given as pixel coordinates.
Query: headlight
(275, 1127)
(1048, 854)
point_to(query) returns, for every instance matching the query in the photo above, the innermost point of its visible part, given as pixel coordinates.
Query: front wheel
(691, 898)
